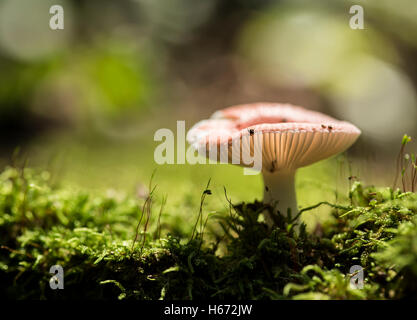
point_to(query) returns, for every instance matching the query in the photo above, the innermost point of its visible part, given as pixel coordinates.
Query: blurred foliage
(92, 238)
(119, 75)
(121, 61)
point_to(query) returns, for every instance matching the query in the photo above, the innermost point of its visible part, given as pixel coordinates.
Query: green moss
(92, 238)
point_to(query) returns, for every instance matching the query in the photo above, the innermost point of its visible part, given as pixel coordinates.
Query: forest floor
(119, 247)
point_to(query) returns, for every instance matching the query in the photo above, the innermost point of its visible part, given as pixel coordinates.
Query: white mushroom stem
(279, 191)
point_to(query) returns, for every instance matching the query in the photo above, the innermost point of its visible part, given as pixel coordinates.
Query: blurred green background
(85, 102)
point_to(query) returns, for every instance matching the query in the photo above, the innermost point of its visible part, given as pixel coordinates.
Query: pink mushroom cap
(290, 136)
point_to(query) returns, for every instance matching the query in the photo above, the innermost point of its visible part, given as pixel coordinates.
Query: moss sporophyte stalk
(239, 257)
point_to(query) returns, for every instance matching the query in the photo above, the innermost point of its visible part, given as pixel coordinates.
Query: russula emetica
(286, 137)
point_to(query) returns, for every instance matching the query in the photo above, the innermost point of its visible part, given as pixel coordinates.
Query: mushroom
(282, 137)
